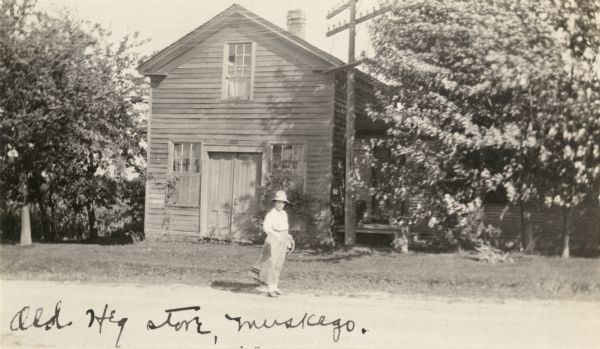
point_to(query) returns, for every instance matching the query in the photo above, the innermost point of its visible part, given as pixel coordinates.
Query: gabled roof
(159, 63)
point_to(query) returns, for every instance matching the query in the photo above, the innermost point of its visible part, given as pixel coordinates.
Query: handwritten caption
(183, 319)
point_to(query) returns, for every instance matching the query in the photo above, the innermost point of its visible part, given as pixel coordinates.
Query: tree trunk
(53, 230)
(566, 234)
(92, 231)
(25, 226)
(25, 221)
(527, 241)
(44, 219)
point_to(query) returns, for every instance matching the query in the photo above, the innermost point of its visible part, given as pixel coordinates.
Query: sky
(165, 21)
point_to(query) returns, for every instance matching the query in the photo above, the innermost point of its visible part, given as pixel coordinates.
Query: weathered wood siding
(291, 103)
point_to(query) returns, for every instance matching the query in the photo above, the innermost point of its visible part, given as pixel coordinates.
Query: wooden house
(233, 102)
(239, 100)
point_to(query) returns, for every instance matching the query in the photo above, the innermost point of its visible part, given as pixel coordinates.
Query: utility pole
(349, 211)
(349, 221)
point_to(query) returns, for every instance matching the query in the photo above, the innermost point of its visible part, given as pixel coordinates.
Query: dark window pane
(175, 167)
(177, 147)
(185, 157)
(277, 156)
(195, 158)
(288, 160)
(232, 54)
(286, 156)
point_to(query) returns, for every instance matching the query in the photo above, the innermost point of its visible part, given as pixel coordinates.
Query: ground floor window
(184, 174)
(289, 160)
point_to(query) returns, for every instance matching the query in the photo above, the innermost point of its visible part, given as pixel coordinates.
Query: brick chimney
(296, 19)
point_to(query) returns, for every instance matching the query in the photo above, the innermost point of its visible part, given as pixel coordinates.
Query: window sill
(236, 100)
(181, 206)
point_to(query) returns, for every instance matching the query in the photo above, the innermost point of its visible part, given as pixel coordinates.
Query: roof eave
(153, 65)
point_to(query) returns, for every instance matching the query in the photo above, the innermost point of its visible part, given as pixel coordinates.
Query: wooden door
(220, 185)
(246, 176)
(232, 197)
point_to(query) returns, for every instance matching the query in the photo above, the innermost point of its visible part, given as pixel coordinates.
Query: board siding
(291, 104)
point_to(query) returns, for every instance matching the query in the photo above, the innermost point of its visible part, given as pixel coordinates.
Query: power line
(350, 25)
(370, 13)
(349, 233)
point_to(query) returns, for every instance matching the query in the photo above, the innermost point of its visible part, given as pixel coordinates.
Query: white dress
(268, 267)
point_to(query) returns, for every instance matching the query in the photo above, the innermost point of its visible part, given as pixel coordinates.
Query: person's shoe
(272, 294)
(278, 291)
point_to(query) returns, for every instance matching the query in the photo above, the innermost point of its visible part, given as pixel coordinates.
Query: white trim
(224, 73)
(252, 69)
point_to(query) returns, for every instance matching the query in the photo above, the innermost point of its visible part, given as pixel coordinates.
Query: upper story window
(238, 71)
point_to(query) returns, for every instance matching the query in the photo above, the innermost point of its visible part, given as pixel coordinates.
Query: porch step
(372, 229)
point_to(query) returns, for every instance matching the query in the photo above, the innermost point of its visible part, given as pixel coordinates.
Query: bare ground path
(388, 321)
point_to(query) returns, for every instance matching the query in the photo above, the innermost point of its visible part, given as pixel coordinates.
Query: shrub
(62, 220)
(459, 225)
(305, 212)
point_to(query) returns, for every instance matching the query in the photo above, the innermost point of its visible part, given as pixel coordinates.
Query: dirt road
(230, 317)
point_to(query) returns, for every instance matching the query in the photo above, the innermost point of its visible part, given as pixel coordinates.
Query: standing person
(277, 244)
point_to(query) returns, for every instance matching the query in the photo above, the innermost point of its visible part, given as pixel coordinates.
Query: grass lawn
(341, 272)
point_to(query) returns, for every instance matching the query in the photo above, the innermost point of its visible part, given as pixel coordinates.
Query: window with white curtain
(238, 71)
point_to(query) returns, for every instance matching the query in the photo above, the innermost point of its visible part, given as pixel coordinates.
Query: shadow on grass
(333, 257)
(236, 286)
(120, 238)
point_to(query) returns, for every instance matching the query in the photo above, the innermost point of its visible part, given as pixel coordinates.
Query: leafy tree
(475, 86)
(69, 101)
(19, 161)
(570, 151)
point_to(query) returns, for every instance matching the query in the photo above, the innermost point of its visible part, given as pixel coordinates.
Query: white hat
(280, 196)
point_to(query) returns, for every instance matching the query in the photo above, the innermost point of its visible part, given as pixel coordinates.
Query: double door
(233, 182)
